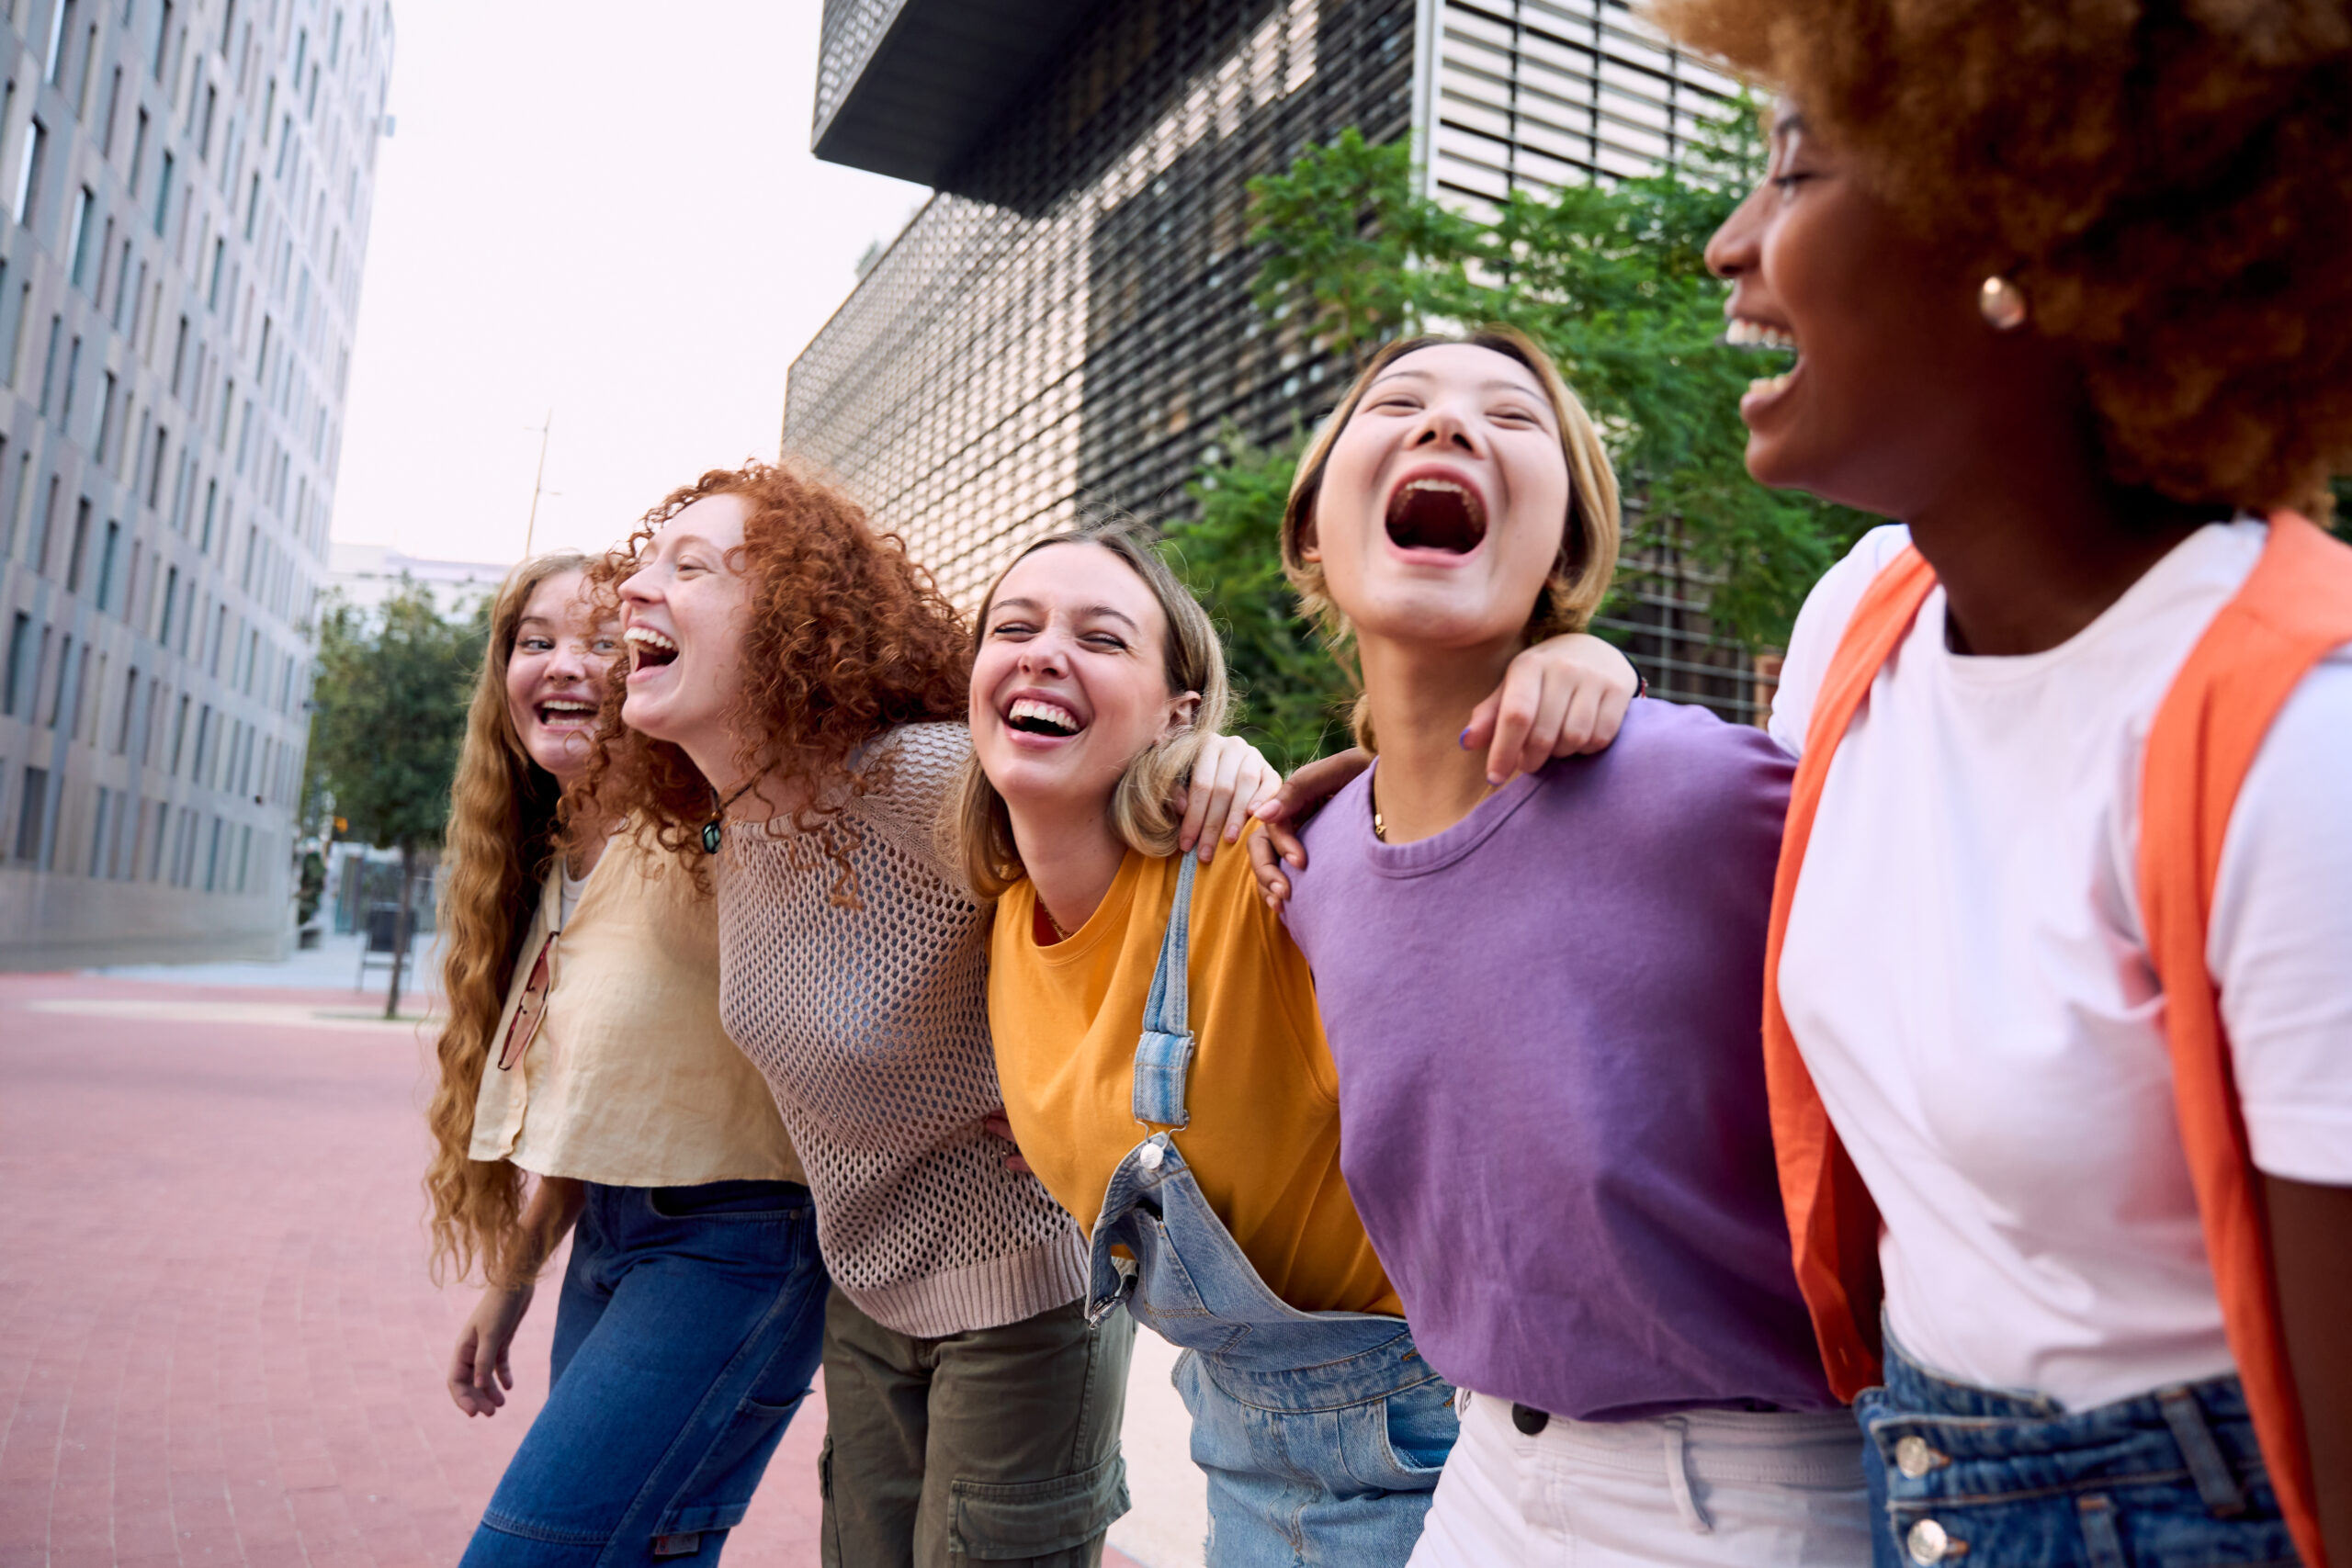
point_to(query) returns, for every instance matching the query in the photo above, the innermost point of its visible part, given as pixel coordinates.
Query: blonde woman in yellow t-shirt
(1164, 1070)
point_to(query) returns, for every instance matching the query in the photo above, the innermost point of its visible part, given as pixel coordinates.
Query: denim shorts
(1974, 1477)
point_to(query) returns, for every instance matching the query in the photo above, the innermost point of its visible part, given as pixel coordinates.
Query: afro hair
(2170, 181)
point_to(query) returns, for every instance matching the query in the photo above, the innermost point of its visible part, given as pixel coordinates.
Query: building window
(85, 205)
(30, 812)
(98, 834)
(29, 172)
(61, 22)
(106, 564)
(81, 543)
(164, 196)
(138, 151)
(20, 647)
(130, 701)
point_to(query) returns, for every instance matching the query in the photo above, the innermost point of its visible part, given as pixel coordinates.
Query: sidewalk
(218, 1345)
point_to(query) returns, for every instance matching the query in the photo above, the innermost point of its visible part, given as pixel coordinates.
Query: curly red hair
(2166, 178)
(848, 638)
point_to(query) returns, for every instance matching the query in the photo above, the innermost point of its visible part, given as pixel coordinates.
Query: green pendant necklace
(719, 813)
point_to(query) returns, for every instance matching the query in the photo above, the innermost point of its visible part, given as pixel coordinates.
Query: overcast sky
(609, 210)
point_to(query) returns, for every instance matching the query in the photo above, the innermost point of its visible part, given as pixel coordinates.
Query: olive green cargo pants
(1000, 1446)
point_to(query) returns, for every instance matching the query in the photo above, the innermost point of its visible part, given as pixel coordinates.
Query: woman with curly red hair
(794, 717)
(2061, 980)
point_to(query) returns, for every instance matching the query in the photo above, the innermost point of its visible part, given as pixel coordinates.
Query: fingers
(1000, 1125)
(1521, 706)
(1259, 783)
(1193, 809)
(1286, 843)
(462, 1392)
(1303, 792)
(1219, 789)
(1554, 712)
(1273, 885)
(506, 1365)
(1579, 726)
(1480, 730)
(1610, 717)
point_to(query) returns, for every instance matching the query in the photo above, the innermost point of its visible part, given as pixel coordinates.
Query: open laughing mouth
(1436, 513)
(649, 649)
(1762, 337)
(1033, 717)
(565, 713)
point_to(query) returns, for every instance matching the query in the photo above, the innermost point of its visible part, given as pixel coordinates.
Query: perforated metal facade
(1068, 322)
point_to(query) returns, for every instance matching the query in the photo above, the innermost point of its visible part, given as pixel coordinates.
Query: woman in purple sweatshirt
(1544, 1003)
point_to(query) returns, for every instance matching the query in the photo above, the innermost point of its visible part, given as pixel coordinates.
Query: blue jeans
(1321, 1433)
(1974, 1477)
(689, 1324)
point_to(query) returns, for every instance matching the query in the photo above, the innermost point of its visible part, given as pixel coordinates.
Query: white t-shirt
(1967, 978)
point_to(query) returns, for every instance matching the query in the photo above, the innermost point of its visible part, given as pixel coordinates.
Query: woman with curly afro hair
(2059, 1032)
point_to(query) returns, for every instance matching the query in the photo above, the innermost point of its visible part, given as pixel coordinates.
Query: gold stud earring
(2002, 303)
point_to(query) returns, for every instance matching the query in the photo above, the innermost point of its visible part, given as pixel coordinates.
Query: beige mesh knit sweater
(871, 1026)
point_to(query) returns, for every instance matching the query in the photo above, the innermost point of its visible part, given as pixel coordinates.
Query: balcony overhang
(942, 74)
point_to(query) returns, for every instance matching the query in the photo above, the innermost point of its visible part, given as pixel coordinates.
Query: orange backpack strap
(1833, 1223)
(2292, 612)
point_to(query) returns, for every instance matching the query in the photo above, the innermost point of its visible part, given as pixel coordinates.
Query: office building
(1067, 321)
(188, 186)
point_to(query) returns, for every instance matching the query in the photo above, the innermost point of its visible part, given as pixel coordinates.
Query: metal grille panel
(1073, 326)
(1073, 329)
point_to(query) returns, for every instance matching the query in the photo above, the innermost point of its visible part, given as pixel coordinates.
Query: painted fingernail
(1464, 741)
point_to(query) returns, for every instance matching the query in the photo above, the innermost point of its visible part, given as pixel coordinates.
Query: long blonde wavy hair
(502, 828)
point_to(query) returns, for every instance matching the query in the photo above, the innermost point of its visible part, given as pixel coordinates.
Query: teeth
(1744, 333)
(646, 637)
(559, 705)
(1043, 712)
(1769, 384)
(1442, 486)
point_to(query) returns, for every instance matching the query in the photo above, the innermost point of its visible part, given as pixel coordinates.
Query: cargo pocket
(719, 1492)
(1037, 1521)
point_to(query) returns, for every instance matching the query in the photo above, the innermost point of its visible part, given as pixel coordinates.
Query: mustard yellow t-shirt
(1264, 1139)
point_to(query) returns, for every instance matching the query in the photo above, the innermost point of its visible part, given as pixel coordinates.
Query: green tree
(1292, 693)
(1345, 228)
(1612, 280)
(388, 718)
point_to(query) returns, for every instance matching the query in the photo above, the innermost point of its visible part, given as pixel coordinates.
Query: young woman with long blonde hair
(584, 1065)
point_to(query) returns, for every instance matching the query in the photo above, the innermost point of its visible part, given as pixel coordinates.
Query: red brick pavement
(218, 1345)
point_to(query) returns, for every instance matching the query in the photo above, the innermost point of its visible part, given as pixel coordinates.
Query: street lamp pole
(537, 486)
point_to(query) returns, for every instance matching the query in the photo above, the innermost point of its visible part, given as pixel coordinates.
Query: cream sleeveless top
(632, 1081)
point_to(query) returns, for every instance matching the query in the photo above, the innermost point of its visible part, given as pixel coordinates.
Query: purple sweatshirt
(1547, 1021)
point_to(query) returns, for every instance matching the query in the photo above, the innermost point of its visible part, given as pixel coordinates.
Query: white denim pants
(1721, 1489)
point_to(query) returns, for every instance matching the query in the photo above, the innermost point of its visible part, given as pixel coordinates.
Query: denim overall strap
(1164, 1052)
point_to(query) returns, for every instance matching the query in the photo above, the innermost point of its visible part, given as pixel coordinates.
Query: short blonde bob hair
(977, 830)
(1588, 544)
